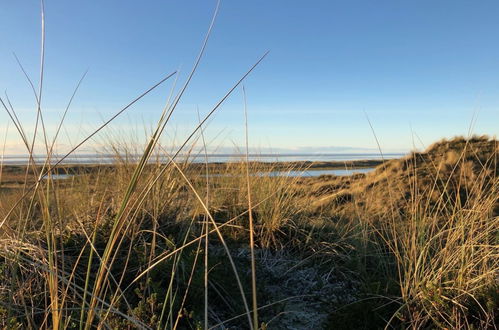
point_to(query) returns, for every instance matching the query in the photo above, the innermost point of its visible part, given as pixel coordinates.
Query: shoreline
(15, 175)
(308, 165)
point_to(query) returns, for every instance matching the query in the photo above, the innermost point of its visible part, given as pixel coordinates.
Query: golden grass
(120, 246)
(441, 240)
(436, 213)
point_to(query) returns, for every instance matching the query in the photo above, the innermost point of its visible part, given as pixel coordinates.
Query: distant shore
(15, 174)
(311, 165)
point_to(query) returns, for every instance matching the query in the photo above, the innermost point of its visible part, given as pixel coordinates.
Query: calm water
(59, 176)
(307, 173)
(106, 159)
(312, 173)
(223, 158)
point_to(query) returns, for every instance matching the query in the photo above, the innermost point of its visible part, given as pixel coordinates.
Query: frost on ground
(294, 292)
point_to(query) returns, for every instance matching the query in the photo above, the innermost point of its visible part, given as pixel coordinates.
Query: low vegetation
(412, 244)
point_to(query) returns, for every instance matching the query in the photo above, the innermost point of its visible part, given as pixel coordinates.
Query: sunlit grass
(162, 242)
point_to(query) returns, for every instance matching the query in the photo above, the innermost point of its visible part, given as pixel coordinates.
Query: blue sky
(423, 66)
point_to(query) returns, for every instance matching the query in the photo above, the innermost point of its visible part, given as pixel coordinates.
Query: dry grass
(436, 214)
(155, 244)
(434, 233)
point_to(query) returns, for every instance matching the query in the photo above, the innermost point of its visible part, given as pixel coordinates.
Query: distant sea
(200, 158)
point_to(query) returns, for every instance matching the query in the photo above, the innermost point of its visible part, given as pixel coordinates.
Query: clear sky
(413, 66)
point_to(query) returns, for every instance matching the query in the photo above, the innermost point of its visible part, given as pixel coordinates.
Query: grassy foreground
(413, 244)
